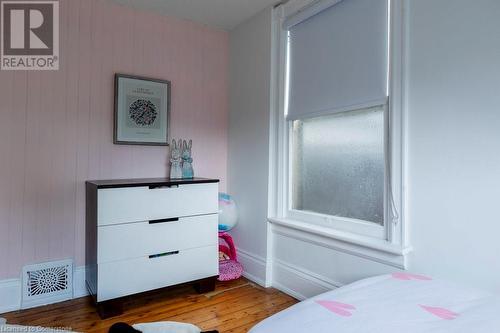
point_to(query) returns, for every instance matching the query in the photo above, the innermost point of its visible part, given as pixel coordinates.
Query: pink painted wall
(56, 126)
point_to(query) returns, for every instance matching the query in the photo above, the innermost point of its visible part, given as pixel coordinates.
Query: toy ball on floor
(228, 216)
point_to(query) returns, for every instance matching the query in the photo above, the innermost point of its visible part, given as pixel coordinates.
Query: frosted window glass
(338, 165)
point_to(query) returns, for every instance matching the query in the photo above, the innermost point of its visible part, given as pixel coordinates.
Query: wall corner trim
(254, 267)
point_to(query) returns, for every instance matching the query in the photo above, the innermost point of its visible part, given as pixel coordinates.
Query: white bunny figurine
(187, 161)
(175, 160)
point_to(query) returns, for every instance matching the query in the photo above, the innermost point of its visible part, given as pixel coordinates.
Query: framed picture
(142, 110)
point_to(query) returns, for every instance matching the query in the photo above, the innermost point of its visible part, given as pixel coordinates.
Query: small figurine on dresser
(187, 161)
(175, 160)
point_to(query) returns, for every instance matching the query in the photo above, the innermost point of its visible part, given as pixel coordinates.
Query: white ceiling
(223, 14)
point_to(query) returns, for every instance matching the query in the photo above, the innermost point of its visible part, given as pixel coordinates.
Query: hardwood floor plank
(253, 314)
(233, 307)
(256, 318)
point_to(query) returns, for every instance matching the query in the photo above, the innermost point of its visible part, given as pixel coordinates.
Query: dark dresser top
(156, 182)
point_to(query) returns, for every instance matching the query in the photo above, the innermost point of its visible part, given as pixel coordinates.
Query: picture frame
(141, 111)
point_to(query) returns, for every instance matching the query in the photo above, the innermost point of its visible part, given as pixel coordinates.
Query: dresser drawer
(127, 277)
(133, 204)
(132, 240)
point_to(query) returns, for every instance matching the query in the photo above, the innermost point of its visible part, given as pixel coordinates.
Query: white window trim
(392, 245)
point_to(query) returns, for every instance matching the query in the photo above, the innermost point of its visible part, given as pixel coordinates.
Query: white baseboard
(11, 291)
(299, 282)
(254, 267)
(10, 295)
(290, 279)
(79, 286)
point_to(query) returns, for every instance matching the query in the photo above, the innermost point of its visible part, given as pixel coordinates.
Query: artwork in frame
(142, 109)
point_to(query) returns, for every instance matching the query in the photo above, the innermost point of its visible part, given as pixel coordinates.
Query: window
(338, 165)
(338, 126)
(337, 112)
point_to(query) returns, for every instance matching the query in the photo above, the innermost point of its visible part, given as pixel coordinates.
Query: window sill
(369, 248)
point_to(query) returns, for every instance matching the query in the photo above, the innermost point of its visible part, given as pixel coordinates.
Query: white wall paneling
(57, 126)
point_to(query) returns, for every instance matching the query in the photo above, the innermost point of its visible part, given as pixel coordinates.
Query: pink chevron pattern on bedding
(341, 309)
(395, 303)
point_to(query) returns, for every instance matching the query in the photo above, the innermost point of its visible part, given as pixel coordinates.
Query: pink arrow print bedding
(400, 302)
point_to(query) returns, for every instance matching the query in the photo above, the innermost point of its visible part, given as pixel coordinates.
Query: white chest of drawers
(145, 234)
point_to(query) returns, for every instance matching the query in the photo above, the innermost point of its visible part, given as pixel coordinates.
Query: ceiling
(223, 14)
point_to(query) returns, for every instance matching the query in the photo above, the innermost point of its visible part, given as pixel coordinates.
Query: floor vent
(47, 283)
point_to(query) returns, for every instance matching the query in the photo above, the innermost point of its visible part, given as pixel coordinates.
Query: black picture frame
(116, 118)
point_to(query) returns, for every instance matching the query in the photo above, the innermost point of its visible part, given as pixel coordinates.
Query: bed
(400, 302)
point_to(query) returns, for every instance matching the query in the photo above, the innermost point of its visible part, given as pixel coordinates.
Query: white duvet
(397, 303)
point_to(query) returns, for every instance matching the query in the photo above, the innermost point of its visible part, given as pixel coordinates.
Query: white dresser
(145, 234)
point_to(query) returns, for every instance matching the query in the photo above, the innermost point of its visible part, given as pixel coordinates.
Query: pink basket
(229, 269)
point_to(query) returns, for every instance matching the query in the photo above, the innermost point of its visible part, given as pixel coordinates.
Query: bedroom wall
(453, 160)
(454, 140)
(248, 163)
(56, 126)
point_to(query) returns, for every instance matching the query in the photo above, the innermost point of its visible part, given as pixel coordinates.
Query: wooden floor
(233, 307)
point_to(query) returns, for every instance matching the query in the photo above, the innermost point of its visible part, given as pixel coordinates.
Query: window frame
(393, 235)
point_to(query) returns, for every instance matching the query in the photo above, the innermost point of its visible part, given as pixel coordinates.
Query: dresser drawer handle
(173, 219)
(159, 255)
(153, 187)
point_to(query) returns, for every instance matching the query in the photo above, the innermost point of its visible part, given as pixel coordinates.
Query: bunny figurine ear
(173, 144)
(190, 144)
(179, 145)
(184, 144)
